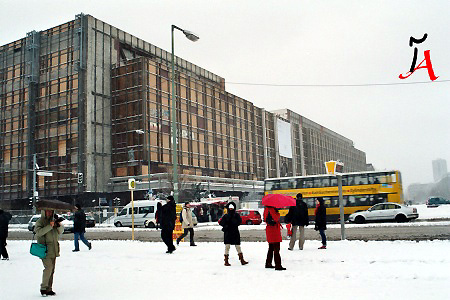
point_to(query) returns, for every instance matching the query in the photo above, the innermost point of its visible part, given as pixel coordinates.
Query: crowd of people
(49, 227)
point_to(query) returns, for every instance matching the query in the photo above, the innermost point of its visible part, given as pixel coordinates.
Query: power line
(336, 85)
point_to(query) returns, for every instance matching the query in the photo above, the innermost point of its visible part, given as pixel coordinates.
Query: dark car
(250, 216)
(436, 201)
(90, 221)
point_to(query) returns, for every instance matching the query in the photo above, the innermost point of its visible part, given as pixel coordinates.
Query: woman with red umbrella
(273, 226)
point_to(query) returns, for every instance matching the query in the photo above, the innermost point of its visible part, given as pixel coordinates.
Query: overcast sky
(401, 127)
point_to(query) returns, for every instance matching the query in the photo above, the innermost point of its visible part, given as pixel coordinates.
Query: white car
(68, 224)
(386, 211)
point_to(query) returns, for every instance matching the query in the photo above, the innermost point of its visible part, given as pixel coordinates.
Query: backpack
(181, 216)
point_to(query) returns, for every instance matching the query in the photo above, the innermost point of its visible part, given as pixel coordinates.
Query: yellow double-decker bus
(360, 190)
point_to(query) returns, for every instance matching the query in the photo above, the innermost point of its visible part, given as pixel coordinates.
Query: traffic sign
(131, 184)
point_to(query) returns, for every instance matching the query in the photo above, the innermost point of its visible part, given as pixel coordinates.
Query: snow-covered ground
(138, 270)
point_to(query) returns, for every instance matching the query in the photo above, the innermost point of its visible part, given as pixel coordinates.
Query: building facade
(439, 169)
(92, 104)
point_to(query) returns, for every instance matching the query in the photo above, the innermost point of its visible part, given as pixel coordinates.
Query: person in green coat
(47, 231)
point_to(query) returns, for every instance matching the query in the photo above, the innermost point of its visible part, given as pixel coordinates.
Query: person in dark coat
(79, 228)
(273, 235)
(230, 223)
(321, 221)
(298, 217)
(5, 217)
(168, 218)
(158, 215)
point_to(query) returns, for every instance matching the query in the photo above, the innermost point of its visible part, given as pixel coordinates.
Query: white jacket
(187, 218)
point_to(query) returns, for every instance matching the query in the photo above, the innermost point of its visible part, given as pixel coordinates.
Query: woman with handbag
(273, 235)
(47, 231)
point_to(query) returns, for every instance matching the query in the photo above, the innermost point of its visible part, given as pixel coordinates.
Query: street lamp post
(193, 37)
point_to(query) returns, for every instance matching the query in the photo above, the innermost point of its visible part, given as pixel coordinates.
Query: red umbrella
(278, 200)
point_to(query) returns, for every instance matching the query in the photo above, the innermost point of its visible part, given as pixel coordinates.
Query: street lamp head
(191, 36)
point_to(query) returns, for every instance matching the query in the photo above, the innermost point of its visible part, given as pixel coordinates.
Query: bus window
(351, 180)
(317, 183)
(372, 178)
(284, 185)
(307, 183)
(292, 183)
(299, 183)
(360, 179)
(344, 180)
(272, 185)
(351, 200)
(325, 182)
(327, 201)
(334, 202)
(393, 178)
(333, 181)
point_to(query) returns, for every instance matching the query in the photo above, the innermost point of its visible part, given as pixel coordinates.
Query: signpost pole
(132, 216)
(341, 206)
(131, 187)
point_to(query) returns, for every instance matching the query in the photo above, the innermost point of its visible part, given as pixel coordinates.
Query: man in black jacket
(168, 218)
(4, 221)
(298, 217)
(79, 228)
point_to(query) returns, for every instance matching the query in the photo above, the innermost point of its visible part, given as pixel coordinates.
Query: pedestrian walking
(187, 224)
(5, 217)
(273, 235)
(47, 231)
(158, 215)
(79, 228)
(298, 217)
(321, 221)
(168, 217)
(230, 226)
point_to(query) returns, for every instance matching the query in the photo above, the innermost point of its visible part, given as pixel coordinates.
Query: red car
(250, 216)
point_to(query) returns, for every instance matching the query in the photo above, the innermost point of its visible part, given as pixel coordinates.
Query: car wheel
(249, 222)
(400, 218)
(149, 224)
(360, 220)
(118, 224)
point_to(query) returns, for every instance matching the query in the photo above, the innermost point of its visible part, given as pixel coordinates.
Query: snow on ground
(430, 213)
(138, 270)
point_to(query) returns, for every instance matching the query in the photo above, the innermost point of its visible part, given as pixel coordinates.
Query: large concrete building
(439, 169)
(92, 103)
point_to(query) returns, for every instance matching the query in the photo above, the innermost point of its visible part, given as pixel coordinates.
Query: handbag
(38, 250)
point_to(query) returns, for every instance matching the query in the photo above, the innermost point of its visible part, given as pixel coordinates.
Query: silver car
(386, 211)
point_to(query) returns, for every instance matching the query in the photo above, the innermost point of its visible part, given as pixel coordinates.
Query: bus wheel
(400, 218)
(360, 220)
(118, 224)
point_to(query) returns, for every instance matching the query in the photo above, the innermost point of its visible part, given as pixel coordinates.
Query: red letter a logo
(428, 66)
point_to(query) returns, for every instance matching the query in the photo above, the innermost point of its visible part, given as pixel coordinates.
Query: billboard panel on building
(284, 138)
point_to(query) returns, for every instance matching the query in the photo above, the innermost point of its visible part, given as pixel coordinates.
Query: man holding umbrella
(273, 226)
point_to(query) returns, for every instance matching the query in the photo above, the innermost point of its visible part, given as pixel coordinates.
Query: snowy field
(138, 270)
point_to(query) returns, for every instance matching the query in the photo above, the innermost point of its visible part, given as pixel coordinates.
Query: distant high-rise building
(439, 169)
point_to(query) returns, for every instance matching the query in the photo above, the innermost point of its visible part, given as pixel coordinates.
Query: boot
(226, 260)
(241, 258)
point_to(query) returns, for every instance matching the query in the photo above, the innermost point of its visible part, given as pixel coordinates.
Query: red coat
(273, 232)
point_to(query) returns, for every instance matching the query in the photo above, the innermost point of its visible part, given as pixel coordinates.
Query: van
(144, 214)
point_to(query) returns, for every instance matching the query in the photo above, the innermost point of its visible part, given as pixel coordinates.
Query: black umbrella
(47, 204)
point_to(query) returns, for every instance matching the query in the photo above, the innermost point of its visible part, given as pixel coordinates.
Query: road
(377, 233)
